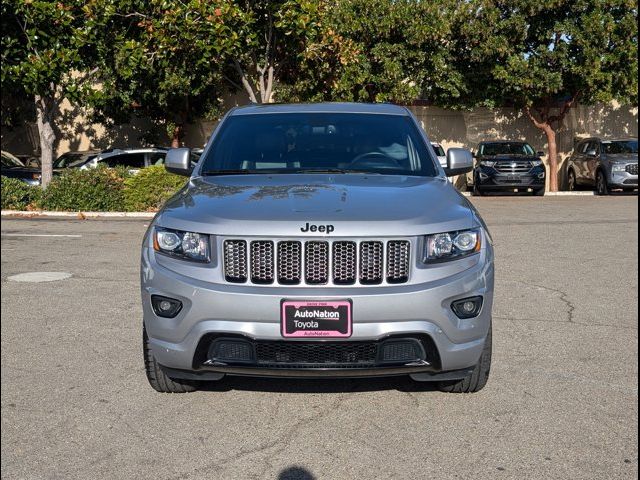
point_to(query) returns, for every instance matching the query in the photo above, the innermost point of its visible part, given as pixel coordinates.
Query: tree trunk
(176, 139)
(553, 157)
(545, 123)
(44, 112)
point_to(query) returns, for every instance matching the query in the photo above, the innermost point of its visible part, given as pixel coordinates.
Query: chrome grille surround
(262, 261)
(398, 261)
(289, 262)
(371, 263)
(517, 166)
(316, 263)
(235, 261)
(307, 261)
(345, 270)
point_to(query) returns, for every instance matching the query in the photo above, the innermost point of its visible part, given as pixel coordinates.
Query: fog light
(165, 307)
(467, 307)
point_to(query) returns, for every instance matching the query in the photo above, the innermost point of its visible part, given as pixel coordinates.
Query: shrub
(17, 195)
(94, 189)
(150, 188)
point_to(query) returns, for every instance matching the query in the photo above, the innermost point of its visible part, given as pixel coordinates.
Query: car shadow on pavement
(296, 385)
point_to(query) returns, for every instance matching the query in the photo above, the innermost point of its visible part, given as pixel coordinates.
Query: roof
(503, 141)
(371, 108)
(82, 152)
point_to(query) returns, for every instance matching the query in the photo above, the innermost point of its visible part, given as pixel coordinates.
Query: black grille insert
(318, 353)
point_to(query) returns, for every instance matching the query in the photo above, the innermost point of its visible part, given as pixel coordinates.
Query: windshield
(620, 146)
(505, 148)
(319, 142)
(9, 160)
(72, 160)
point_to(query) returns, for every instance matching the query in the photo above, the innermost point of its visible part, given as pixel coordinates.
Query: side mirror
(592, 153)
(178, 161)
(540, 153)
(459, 162)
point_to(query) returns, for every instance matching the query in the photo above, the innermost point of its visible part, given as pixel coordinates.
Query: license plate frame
(336, 322)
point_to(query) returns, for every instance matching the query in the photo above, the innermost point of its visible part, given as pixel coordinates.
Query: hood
(286, 205)
(623, 157)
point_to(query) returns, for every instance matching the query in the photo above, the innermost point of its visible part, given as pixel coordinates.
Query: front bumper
(623, 180)
(379, 313)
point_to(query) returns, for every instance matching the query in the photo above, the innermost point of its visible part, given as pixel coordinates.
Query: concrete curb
(80, 215)
(553, 194)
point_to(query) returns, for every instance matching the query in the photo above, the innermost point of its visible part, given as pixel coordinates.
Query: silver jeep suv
(318, 241)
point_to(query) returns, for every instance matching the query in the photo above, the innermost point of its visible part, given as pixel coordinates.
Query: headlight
(487, 163)
(618, 167)
(536, 163)
(185, 245)
(450, 246)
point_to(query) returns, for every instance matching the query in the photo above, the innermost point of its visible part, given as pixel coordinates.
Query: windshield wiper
(208, 173)
(333, 170)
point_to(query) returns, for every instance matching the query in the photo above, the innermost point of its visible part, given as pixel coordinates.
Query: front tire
(477, 379)
(159, 380)
(602, 187)
(572, 183)
(539, 192)
(477, 192)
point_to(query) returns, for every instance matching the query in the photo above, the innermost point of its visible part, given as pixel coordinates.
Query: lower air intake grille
(318, 353)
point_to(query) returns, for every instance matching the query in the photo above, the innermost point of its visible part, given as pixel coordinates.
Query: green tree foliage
(378, 50)
(49, 53)
(545, 56)
(162, 59)
(150, 188)
(172, 60)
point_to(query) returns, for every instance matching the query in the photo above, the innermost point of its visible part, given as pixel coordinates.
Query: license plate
(331, 319)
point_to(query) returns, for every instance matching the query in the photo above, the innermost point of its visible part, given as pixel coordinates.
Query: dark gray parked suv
(604, 164)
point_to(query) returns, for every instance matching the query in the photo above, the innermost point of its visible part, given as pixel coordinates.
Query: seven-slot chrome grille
(316, 262)
(518, 166)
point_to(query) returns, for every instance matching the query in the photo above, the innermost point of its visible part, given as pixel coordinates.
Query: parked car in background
(505, 165)
(29, 160)
(74, 159)
(12, 167)
(440, 153)
(131, 158)
(604, 164)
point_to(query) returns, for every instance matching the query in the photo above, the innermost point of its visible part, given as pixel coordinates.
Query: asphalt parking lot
(561, 402)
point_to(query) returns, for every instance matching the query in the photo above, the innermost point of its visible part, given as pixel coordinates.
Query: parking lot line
(38, 235)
